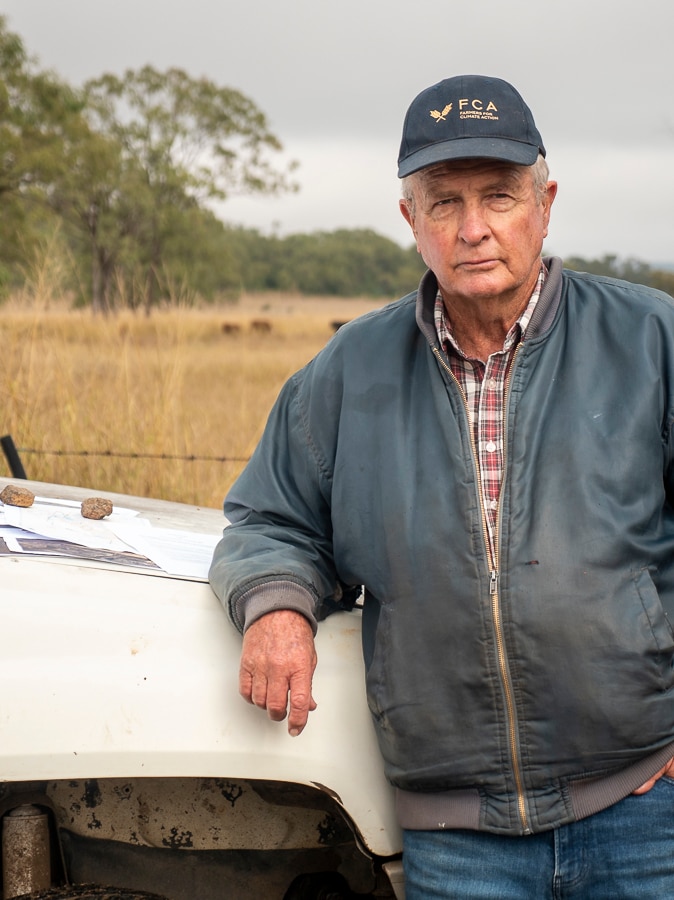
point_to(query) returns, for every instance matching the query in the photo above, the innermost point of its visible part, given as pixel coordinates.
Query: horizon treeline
(107, 195)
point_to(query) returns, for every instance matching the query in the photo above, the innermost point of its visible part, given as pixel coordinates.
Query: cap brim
(470, 148)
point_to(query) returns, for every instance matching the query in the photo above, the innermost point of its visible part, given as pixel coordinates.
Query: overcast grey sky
(335, 79)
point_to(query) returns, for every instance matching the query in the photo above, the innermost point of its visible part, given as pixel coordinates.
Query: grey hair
(540, 172)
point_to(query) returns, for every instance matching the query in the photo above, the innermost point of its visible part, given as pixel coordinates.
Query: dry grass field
(108, 402)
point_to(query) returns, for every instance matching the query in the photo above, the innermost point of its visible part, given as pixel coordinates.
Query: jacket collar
(541, 320)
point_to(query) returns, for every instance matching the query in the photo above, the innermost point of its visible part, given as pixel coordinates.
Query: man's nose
(474, 226)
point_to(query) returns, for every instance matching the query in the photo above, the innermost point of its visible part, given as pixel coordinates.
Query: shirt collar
(443, 326)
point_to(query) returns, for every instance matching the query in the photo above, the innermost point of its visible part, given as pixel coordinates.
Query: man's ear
(407, 215)
(548, 200)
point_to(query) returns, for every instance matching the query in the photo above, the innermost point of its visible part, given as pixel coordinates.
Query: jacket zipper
(492, 557)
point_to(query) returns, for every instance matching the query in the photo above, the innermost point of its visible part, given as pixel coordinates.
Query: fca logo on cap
(477, 105)
(440, 116)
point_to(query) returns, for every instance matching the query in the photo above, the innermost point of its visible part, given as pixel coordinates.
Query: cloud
(611, 199)
(344, 184)
(335, 80)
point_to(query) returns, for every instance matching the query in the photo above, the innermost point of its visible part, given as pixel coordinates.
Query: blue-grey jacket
(511, 694)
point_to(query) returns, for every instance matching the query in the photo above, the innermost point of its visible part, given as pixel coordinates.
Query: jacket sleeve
(277, 550)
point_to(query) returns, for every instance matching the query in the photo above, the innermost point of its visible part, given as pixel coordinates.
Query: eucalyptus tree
(36, 111)
(183, 142)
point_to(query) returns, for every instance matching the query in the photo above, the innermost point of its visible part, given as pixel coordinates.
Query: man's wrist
(271, 597)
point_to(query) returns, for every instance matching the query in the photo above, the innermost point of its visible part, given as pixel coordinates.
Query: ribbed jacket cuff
(272, 596)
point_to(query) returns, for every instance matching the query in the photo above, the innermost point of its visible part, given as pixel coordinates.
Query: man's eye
(501, 201)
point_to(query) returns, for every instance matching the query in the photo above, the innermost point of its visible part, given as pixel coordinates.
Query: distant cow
(230, 328)
(262, 326)
(337, 325)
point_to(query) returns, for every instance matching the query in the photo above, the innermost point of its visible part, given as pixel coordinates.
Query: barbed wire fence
(13, 455)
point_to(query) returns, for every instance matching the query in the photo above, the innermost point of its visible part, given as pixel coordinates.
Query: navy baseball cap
(468, 117)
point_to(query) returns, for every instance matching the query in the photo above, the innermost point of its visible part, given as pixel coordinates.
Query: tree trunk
(96, 282)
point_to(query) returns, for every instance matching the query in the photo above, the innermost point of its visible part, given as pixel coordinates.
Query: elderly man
(491, 458)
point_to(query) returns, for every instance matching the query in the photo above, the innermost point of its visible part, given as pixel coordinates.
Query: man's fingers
(277, 665)
(277, 698)
(667, 769)
(253, 686)
(260, 693)
(280, 698)
(245, 684)
(645, 788)
(301, 703)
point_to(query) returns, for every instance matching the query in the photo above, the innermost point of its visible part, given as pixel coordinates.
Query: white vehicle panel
(109, 672)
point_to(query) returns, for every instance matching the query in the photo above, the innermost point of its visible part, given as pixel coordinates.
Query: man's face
(479, 227)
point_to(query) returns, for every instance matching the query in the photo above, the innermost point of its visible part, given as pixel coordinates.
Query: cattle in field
(261, 326)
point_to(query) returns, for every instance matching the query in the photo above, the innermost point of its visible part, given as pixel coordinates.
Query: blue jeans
(625, 852)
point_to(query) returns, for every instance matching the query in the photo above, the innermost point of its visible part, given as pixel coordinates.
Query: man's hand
(278, 659)
(667, 769)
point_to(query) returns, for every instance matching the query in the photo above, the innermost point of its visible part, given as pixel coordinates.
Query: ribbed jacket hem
(436, 811)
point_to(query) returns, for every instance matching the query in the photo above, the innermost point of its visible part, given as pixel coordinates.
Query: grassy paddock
(180, 382)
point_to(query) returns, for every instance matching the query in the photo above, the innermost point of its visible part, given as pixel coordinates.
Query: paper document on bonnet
(184, 553)
(64, 522)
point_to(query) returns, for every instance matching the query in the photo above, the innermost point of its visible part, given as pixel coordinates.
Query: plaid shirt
(483, 386)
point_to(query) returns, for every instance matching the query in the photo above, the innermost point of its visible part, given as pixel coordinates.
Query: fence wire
(112, 454)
